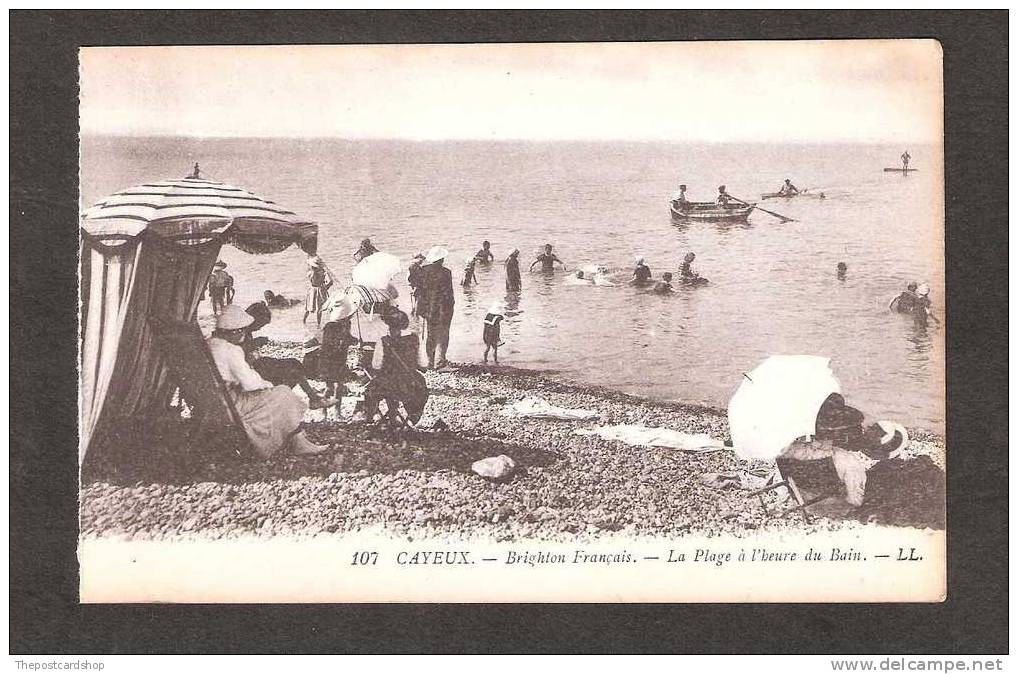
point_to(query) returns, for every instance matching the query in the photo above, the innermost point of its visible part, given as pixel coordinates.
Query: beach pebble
(495, 467)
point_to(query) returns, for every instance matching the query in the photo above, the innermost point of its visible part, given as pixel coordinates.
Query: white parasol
(777, 403)
(376, 270)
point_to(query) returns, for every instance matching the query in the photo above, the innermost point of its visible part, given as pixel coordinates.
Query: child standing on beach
(493, 330)
(332, 355)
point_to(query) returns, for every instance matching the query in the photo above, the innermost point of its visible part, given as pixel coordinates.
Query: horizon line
(115, 134)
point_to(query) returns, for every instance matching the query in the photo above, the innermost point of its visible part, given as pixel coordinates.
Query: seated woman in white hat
(271, 414)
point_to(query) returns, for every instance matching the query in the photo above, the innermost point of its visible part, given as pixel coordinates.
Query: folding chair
(815, 475)
(215, 421)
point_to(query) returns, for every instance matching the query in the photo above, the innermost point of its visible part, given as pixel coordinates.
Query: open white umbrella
(376, 270)
(778, 402)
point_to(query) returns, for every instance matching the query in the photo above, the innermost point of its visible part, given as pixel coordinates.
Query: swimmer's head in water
(667, 276)
(842, 266)
(721, 188)
(547, 248)
(269, 295)
(912, 285)
(579, 274)
(486, 245)
(682, 187)
(689, 257)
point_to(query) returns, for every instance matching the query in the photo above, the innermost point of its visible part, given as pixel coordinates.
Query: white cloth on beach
(647, 436)
(539, 408)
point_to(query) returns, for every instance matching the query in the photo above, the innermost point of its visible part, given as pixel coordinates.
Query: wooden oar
(776, 215)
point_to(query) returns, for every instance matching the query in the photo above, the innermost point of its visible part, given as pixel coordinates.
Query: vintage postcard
(585, 322)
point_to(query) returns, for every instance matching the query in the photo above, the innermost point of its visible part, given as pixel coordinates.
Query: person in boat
(492, 334)
(547, 260)
(922, 311)
(680, 198)
(664, 286)
(396, 379)
(641, 274)
(280, 371)
(271, 415)
(686, 273)
(788, 189)
(513, 282)
(905, 158)
(366, 248)
(484, 255)
(319, 283)
(436, 306)
(469, 276)
(413, 279)
(723, 196)
(906, 301)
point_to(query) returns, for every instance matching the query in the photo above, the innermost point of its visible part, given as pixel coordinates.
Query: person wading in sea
(513, 282)
(435, 306)
(547, 260)
(484, 255)
(641, 274)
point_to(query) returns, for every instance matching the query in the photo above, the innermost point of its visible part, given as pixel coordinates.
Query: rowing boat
(710, 211)
(899, 170)
(785, 195)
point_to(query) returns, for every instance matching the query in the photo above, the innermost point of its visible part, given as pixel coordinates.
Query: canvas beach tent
(146, 252)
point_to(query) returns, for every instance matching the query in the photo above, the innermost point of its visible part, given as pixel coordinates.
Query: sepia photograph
(513, 322)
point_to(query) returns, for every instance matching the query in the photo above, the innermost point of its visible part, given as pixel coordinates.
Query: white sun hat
(435, 254)
(233, 318)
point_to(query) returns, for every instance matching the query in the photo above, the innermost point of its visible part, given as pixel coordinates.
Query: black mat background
(44, 614)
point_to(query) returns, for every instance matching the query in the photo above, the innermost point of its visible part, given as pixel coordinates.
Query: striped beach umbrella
(192, 208)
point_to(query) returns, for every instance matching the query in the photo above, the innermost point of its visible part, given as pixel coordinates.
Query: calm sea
(773, 286)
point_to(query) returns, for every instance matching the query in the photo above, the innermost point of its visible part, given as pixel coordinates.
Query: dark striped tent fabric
(187, 207)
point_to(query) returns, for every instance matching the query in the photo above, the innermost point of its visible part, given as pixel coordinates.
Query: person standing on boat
(513, 282)
(788, 189)
(547, 260)
(680, 198)
(318, 288)
(366, 248)
(435, 306)
(905, 157)
(485, 256)
(723, 196)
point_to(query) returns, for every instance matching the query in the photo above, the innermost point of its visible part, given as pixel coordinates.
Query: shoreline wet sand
(419, 483)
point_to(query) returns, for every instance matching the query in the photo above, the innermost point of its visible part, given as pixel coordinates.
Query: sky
(807, 91)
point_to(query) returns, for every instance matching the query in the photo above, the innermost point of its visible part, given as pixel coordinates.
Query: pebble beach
(419, 483)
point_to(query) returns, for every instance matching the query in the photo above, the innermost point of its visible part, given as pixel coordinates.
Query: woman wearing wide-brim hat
(271, 415)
